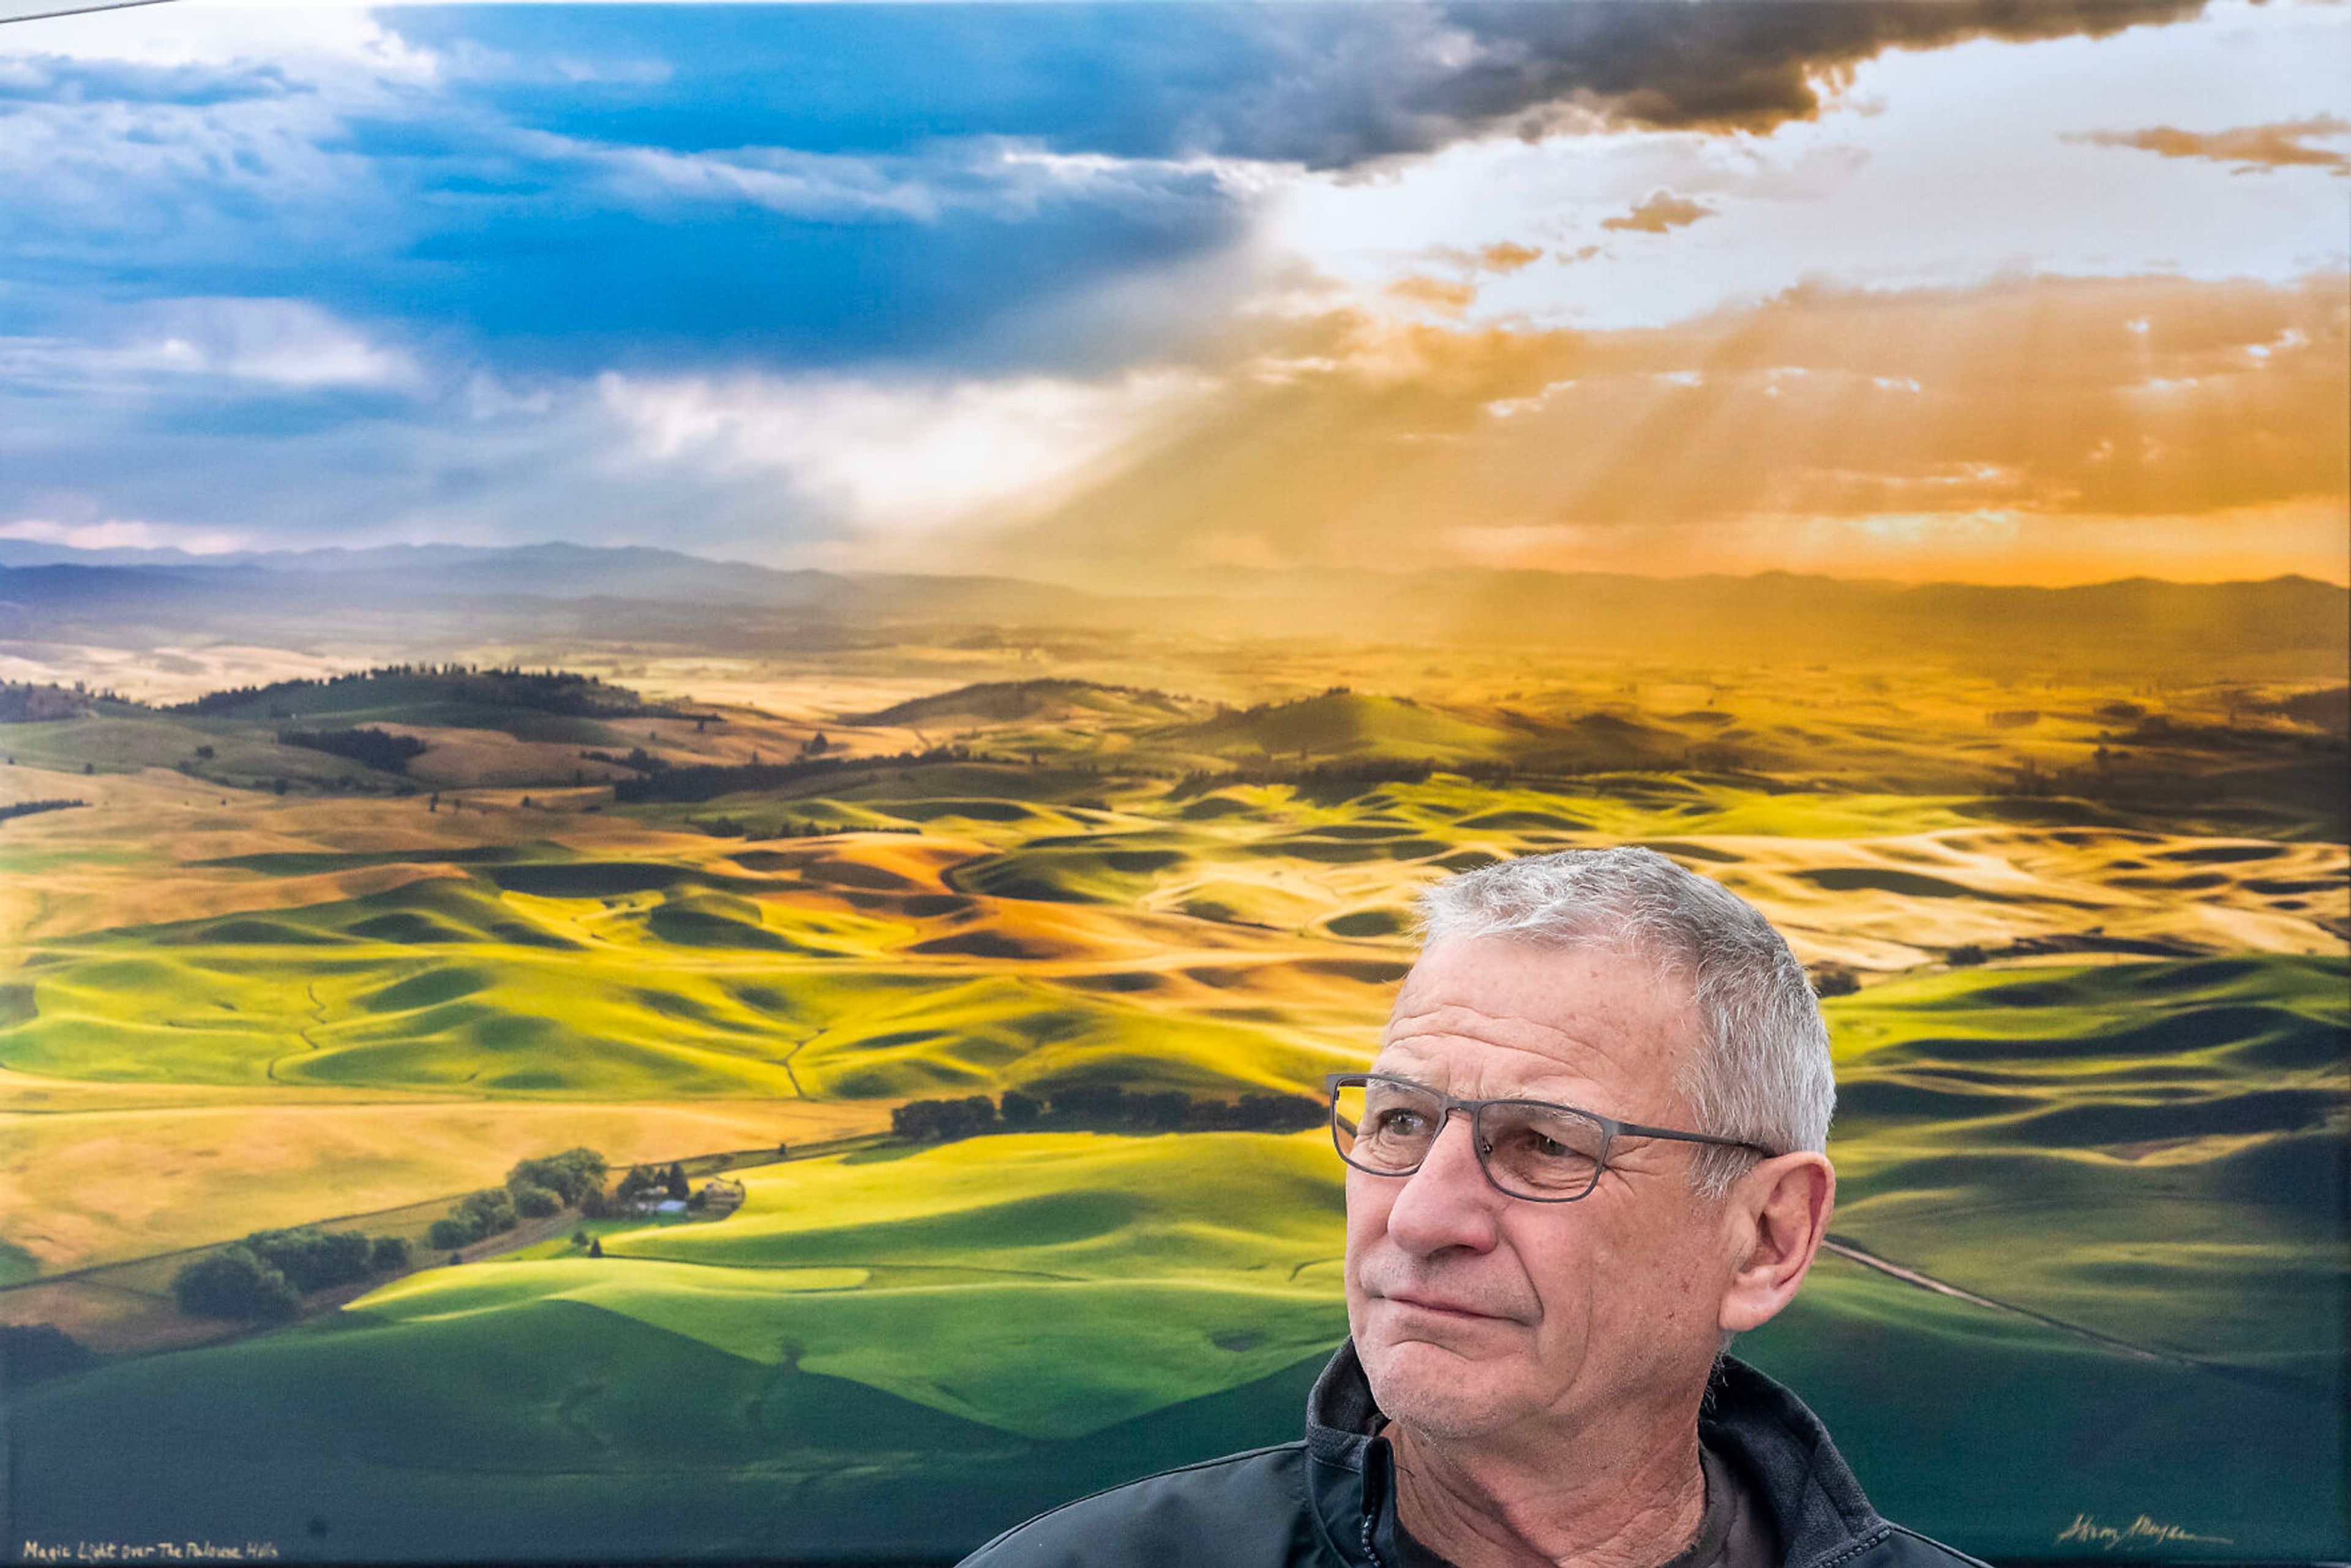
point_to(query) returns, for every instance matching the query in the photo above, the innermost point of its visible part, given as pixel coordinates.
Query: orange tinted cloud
(1662, 211)
(2034, 431)
(2251, 148)
(1508, 257)
(1445, 298)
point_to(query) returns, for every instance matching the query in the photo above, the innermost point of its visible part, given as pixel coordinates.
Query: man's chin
(1437, 1390)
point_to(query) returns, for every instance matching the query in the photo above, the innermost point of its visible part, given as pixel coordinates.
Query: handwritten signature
(2141, 1530)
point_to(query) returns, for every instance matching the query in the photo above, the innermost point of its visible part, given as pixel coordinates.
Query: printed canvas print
(714, 714)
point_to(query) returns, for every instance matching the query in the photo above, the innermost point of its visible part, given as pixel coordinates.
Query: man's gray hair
(1762, 1071)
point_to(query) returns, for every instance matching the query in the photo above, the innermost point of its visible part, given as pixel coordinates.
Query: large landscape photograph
(711, 716)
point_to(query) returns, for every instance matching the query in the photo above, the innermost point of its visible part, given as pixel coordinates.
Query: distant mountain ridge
(563, 590)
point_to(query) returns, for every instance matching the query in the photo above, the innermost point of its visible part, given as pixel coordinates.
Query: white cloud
(998, 175)
(311, 40)
(1511, 407)
(289, 342)
(120, 533)
(282, 342)
(895, 456)
(799, 184)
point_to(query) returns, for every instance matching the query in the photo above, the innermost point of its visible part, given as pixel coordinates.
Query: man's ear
(1778, 1214)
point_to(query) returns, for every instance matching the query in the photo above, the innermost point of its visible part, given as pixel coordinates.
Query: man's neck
(1600, 1505)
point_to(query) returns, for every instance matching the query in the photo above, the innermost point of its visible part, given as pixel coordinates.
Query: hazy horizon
(29, 553)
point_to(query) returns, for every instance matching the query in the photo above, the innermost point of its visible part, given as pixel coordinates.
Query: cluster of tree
(489, 1212)
(639, 758)
(369, 748)
(1835, 981)
(935, 1121)
(643, 1181)
(574, 1176)
(1107, 1107)
(265, 1275)
(1366, 770)
(707, 782)
(22, 701)
(229, 699)
(1102, 1108)
(2114, 777)
(31, 1352)
(534, 1189)
(737, 827)
(26, 808)
(545, 691)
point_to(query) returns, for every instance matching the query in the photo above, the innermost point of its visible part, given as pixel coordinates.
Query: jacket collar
(1351, 1472)
(1816, 1502)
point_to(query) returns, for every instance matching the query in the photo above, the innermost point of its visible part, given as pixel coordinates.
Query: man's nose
(1447, 1202)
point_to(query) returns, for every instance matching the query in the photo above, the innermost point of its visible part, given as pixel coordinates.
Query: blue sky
(841, 283)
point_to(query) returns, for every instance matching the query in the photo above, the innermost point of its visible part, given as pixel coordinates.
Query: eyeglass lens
(1529, 1149)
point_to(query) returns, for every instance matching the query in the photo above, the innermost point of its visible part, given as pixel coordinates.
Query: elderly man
(1588, 1153)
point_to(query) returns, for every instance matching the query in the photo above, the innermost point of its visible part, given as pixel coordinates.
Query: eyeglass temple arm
(1637, 1130)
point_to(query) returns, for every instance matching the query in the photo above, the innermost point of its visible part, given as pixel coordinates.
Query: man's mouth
(1442, 1306)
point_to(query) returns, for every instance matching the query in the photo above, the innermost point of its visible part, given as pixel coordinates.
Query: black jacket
(1329, 1501)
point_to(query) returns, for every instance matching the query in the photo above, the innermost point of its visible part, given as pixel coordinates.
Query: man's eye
(1402, 1123)
(1536, 1145)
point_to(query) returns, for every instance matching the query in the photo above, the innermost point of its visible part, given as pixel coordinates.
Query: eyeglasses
(1528, 1148)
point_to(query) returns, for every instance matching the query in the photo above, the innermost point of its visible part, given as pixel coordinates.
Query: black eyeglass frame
(1611, 1129)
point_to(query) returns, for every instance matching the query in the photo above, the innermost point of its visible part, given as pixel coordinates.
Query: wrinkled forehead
(1494, 1015)
(1532, 974)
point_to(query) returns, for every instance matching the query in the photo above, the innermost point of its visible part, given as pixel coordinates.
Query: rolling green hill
(1338, 724)
(1042, 701)
(2122, 1177)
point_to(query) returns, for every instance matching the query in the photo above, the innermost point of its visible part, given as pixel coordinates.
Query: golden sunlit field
(2083, 947)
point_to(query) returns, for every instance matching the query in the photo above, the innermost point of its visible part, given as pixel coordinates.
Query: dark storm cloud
(1326, 86)
(1745, 64)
